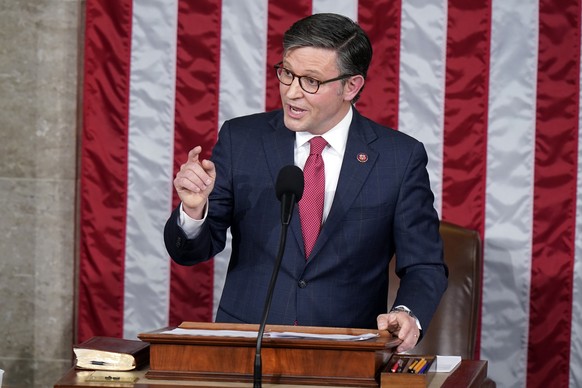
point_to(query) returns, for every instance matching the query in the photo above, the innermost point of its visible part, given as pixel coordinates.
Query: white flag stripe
(422, 82)
(576, 336)
(509, 199)
(243, 52)
(347, 8)
(150, 161)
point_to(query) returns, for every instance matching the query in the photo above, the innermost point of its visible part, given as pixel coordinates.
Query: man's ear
(352, 87)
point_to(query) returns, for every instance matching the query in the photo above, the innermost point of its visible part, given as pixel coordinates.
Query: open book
(109, 353)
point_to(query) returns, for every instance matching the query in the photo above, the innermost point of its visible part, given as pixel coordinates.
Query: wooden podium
(284, 360)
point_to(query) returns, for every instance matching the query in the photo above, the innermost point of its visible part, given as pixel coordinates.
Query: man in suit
(376, 200)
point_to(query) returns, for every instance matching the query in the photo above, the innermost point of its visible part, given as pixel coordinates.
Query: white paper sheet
(253, 334)
(447, 363)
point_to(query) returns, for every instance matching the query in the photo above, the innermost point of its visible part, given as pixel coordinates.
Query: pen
(424, 368)
(396, 366)
(402, 366)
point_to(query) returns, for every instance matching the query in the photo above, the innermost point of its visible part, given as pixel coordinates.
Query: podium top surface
(381, 340)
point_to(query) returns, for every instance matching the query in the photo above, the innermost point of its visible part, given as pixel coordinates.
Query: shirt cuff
(189, 225)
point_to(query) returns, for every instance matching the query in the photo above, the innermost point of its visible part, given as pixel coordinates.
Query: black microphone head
(290, 180)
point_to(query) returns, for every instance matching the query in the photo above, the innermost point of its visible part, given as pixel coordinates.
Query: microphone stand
(282, 239)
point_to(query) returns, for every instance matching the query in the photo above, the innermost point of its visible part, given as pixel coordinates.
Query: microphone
(289, 190)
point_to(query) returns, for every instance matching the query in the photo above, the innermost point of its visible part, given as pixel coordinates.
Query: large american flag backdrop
(492, 88)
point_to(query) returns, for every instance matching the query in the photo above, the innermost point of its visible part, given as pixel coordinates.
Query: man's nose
(294, 90)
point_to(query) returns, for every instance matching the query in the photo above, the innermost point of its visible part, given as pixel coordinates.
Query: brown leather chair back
(453, 329)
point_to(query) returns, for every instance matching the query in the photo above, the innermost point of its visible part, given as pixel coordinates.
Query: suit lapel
(279, 150)
(359, 160)
(278, 146)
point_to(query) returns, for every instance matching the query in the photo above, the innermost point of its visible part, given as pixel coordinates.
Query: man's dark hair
(334, 32)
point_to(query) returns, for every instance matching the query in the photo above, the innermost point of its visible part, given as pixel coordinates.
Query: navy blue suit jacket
(382, 206)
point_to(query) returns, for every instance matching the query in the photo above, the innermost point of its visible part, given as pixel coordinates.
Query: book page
(99, 359)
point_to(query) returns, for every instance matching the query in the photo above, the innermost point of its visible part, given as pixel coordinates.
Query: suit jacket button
(302, 284)
(179, 242)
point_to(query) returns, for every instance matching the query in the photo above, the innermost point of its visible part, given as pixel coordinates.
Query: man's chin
(294, 124)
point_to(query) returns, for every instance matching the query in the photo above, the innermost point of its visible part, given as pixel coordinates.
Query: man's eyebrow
(308, 73)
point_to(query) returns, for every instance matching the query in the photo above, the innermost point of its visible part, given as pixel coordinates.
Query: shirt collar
(337, 137)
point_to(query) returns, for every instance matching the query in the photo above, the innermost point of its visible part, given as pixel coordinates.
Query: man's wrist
(404, 309)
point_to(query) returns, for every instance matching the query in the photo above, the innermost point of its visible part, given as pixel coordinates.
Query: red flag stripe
(379, 101)
(466, 110)
(465, 126)
(281, 14)
(197, 84)
(554, 210)
(104, 168)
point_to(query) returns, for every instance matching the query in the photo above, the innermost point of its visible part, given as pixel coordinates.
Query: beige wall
(39, 77)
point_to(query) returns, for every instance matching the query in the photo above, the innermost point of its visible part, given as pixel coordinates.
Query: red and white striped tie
(311, 204)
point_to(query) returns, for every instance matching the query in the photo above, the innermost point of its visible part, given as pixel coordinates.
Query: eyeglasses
(310, 85)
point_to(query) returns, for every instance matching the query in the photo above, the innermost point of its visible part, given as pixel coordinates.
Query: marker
(411, 367)
(408, 364)
(419, 365)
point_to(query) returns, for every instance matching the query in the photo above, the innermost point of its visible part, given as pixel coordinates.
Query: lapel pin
(362, 158)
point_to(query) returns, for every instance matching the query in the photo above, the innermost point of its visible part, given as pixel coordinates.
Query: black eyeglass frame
(299, 77)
